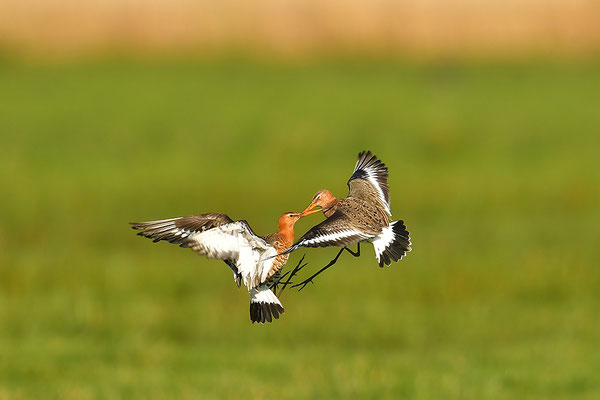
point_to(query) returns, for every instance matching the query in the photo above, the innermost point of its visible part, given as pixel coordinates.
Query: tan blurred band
(302, 27)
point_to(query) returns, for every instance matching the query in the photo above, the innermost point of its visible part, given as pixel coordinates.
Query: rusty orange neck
(286, 234)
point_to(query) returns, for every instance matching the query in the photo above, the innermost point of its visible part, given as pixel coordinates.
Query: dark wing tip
(365, 160)
(366, 153)
(358, 174)
(369, 167)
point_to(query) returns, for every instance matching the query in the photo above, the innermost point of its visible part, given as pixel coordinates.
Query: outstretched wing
(217, 236)
(176, 230)
(369, 180)
(336, 230)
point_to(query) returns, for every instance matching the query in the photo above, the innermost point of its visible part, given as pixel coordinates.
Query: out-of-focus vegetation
(300, 28)
(494, 169)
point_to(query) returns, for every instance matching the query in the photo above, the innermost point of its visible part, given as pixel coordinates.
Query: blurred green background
(493, 167)
(487, 114)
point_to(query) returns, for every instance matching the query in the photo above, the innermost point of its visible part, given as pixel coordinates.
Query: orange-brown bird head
(323, 198)
(288, 219)
(286, 224)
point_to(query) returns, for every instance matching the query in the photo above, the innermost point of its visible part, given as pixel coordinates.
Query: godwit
(253, 259)
(364, 215)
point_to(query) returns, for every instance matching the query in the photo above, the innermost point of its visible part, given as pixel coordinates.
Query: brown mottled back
(364, 216)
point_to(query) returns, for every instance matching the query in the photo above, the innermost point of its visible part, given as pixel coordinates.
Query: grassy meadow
(493, 167)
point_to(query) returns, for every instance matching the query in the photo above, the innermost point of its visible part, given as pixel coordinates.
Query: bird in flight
(253, 259)
(363, 215)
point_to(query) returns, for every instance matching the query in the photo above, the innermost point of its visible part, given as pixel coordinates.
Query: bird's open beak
(310, 210)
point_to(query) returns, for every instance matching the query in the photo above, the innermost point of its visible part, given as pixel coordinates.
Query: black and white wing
(369, 180)
(177, 230)
(217, 236)
(336, 230)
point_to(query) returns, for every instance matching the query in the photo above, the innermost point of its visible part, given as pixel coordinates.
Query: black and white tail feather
(392, 243)
(264, 305)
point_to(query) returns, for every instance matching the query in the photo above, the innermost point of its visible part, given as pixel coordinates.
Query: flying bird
(363, 215)
(253, 259)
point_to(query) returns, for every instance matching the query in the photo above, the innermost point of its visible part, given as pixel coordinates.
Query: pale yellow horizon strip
(302, 26)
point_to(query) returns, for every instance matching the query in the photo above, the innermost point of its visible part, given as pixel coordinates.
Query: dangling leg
(291, 273)
(355, 254)
(280, 277)
(297, 268)
(310, 280)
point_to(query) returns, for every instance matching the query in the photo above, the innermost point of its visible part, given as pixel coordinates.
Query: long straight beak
(305, 212)
(309, 210)
(310, 207)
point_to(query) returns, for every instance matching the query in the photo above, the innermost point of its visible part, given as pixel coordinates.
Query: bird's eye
(318, 197)
(290, 215)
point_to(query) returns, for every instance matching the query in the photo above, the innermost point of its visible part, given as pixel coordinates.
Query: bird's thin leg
(292, 273)
(310, 280)
(355, 254)
(275, 284)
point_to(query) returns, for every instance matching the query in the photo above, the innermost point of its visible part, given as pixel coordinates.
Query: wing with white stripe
(370, 180)
(220, 240)
(336, 230)
(176, 230)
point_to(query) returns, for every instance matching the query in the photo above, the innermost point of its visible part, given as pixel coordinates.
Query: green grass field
(493, 167)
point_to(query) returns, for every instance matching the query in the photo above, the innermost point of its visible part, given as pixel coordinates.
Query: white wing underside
(252, 255)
